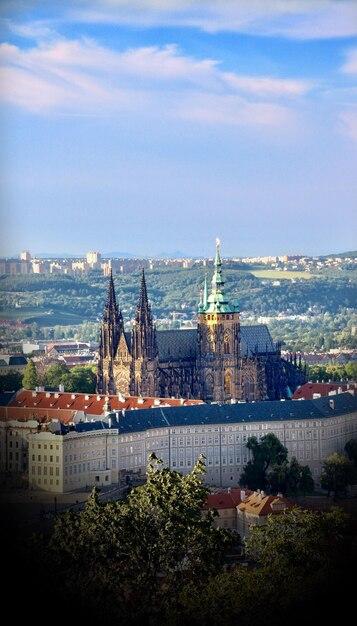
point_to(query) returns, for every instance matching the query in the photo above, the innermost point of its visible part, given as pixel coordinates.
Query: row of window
(46, 470)
(44, 458)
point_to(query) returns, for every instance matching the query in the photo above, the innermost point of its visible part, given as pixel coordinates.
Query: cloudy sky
(153, 126)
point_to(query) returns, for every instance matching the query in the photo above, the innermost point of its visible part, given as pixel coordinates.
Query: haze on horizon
(152, 128)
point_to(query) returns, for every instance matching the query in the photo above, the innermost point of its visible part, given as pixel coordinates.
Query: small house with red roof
(255, 509)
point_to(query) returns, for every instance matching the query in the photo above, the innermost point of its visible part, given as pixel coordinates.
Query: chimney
(332, 404)
(242, 495)
(109, 422)
(61, 388)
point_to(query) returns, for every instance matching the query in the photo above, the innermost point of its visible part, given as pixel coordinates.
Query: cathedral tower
(144, 348)
(218, 340)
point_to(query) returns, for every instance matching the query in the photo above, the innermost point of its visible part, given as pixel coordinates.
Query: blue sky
(154, 126)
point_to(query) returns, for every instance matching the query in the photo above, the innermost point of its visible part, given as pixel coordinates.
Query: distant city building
(220, 360)
(93, 259)
(25, 256)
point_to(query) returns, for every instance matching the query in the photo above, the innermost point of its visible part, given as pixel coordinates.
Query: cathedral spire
(143, 309)
(143, 334)
(111, 299)
(217, 301)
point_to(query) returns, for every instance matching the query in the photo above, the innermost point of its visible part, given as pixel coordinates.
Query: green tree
(306, 483)
(290, 478)
(351, 370)
(296, 555)
(30, 377)
(351, 451)
(267, 452)
(307, 539)
(142, 550)
(80, 379)
(11, 381)
(337, 473)
(55, 374)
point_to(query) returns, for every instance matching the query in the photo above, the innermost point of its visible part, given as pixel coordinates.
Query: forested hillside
(305, 313)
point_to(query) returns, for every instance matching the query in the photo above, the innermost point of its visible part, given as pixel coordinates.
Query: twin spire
(216, 301)
(143, 337)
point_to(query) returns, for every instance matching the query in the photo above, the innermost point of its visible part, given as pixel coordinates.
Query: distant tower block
(25, 256)
(93, 259)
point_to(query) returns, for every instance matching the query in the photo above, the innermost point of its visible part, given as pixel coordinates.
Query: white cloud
(350, 65)
(31, 30)
(234, 111)
(297, 19)
(79, 76)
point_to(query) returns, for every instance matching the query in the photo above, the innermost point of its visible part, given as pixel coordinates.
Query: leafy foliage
(270, 469)
(79, 379)
(333, 372)
(30, 377)
(154, 558)
(268, 451)
(145, 549)
(290, 478)
(337, 474)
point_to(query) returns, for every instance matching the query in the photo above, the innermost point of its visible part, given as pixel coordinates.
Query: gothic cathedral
(220, 361)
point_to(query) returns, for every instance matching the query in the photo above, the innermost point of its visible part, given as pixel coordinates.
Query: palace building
(219, 361)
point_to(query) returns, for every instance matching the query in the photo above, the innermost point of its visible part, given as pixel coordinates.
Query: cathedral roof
(256, 339)
(174, 345)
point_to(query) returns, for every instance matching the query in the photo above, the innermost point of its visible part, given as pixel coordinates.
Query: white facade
(81, 459)
(62, 463)
(14, 445)
(224, 446)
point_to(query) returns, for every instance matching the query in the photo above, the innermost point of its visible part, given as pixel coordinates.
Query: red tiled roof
(91, 404)
(42, 415)
(307, 390)
(225, 499)
(262, 505)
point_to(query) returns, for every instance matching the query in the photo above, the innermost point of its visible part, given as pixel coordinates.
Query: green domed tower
(218, 339)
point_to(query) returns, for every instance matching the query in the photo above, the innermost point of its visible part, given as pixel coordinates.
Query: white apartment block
(99, 453)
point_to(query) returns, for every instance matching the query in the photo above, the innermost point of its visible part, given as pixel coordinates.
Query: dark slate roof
(182, 344)
(5, 397)
(206, 414)
(176, 344)
(255, 339)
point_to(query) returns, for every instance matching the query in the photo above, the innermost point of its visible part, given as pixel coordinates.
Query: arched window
(209, 386)
(211, 341)
(249, 389)
(228, 383)
(227, 342)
